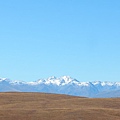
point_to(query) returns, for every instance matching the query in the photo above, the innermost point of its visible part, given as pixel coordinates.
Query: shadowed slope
(40, 106)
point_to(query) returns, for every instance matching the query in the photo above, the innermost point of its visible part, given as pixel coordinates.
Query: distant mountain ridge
(63, 85)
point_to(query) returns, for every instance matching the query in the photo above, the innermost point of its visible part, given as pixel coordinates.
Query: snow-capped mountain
(63, 85)
(56, 81)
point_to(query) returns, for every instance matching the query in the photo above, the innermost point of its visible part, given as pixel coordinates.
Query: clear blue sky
(42, 38)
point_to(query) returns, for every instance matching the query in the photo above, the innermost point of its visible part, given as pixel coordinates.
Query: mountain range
(63, 85)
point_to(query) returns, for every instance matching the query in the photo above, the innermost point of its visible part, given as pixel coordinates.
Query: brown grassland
(41, 106)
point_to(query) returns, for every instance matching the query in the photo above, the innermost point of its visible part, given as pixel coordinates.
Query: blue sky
(42, 38)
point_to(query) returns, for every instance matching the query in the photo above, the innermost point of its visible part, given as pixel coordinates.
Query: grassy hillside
(40, 106)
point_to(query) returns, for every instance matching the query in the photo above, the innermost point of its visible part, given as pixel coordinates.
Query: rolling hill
(41, 106)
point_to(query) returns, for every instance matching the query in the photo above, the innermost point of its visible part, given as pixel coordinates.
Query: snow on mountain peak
(68, 80)
(59, 81)
(51, 78)
(56, 81)
(84, 83)
(17, 82)
(4, 79)
(96, 82)
(117, 84)
(107, 83)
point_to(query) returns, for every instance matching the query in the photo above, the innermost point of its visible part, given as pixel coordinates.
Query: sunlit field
(41, 106)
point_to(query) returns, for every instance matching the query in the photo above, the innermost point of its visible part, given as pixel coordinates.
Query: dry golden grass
(40, 106)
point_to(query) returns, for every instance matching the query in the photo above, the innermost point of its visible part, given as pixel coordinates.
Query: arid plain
(41, 106)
